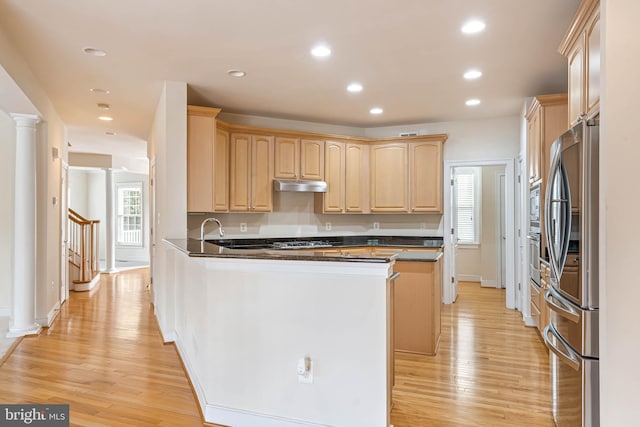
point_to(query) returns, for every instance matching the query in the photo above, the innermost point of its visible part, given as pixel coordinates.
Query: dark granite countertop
(262, 248)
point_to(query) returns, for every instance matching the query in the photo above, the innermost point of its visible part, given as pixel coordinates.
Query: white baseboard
(82, 287)
(489, 283)
(45, 322)
(468, 278)
(237, 418)
(528, 321)
(5, 312)
(167, 336)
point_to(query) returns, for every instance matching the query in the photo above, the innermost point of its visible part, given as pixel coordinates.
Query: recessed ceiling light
(236, 73)
(94, 52)
(376, 110)
(110, 133)
(105, 118)
(472, 102)
(103, 106)
(472, 74)
(354, 87)
(472, 27)
(321, 51)
(98, 90)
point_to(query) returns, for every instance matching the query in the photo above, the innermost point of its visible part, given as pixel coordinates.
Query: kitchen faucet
(206, 221)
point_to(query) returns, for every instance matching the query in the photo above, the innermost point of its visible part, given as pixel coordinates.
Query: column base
(16, 333)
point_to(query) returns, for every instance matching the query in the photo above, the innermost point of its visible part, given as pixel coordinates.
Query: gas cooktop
(297, 244)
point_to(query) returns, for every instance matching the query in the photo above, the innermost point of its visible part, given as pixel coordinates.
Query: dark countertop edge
(425, 242)
(188, 246)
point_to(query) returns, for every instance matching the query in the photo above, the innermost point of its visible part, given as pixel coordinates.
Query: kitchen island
(243, 318)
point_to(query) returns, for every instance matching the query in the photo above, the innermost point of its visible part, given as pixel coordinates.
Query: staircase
(83, 252)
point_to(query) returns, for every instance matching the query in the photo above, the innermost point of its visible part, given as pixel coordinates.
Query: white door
(453, 233)
(502, 234)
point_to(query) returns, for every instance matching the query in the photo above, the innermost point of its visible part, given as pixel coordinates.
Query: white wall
(486, 139)
(51, 133)
(619, 207)
(78, 191)
(7, 171)
(168, 156)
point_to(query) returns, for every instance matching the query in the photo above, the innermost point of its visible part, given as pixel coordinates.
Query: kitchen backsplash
(293, 216)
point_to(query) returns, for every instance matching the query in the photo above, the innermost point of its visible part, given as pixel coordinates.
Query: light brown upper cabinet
(251, 167)
(346, 174)
(406, 176)
(297, 158)
(425, 176)
(356, 178)
(546, 121)
(390, 177)
(334, 163)
(207, 161)
(581, 47)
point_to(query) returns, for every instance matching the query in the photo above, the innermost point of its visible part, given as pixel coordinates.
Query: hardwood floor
(490, 369)
(104, 356)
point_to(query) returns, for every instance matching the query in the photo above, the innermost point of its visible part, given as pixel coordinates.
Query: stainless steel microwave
(534, 207)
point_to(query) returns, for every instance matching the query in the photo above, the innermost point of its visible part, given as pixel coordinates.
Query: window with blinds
(466, 199)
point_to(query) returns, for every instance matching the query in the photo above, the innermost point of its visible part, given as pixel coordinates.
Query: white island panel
(242, 324)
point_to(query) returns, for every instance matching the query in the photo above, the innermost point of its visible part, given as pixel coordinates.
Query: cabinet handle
(581, 117)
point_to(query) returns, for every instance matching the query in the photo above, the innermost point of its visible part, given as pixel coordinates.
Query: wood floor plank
(490, 369)
(105, 357)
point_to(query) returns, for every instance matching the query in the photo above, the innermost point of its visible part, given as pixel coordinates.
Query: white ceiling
(409, 55)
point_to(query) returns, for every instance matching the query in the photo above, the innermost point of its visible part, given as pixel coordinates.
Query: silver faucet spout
(217, 221)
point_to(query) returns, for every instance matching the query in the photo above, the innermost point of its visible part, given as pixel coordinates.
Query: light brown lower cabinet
(417, 306)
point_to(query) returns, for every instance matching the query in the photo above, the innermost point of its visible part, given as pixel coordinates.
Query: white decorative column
(23, 312)
(111, 223)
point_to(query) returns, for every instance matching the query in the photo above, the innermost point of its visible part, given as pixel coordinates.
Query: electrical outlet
(327, 226)
(423, 225)
(304, 369)
(243, 227)
(376, 225)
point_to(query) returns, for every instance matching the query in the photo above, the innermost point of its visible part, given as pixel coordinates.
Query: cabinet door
(261, 174)
(311, 160)
(334, 175)
(240, 172)
(593, 66)
(200, 135)
(221, 171)
(576, 82)
(389, 175)
(356, 178)
(426, 176)
(287, 155)
(534, 135)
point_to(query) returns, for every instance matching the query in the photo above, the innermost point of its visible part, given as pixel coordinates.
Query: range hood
(300, 186)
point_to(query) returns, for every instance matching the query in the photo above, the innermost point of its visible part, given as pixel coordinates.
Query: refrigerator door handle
(549, 231)
(565, 310)
(568, 355)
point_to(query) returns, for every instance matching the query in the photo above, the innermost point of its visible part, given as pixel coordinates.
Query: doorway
(488, 256)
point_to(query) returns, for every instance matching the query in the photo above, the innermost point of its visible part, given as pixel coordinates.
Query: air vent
(408, 133)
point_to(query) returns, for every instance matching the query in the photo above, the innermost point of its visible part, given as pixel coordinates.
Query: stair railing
(83, 245)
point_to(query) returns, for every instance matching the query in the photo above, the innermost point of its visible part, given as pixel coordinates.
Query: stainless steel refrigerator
(571, 227)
